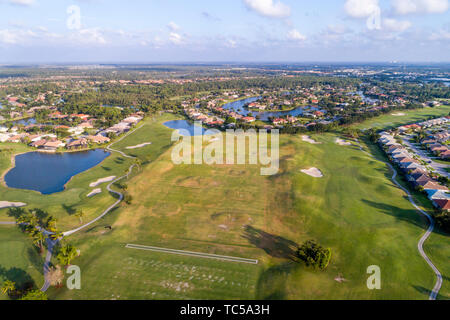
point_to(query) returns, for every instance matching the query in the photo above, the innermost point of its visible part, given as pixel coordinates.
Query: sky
(161, 31)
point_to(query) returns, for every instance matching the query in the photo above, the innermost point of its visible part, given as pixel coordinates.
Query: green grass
(19, 260)
(389, 121)
(354, 209)
(63, 205)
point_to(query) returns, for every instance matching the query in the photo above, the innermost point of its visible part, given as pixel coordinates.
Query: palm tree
(51, 223)
(138, 163)
(56, 235)
(8, 287)
(66, 254)
(80, 215)
(38, 238)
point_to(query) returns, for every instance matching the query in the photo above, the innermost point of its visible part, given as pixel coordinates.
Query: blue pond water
(185, 128)
(25, 122)
(49, 172)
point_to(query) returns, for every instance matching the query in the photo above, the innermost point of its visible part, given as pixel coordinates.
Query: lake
(187, 127)
(25, 122)
(238, 107)
(49, 172)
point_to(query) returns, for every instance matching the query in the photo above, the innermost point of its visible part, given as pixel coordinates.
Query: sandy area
(139, 145)
(313, 172)
(94, 192)
(7, 204)
(309, 140)
(102, 180)
(343, 142)
(398, 114)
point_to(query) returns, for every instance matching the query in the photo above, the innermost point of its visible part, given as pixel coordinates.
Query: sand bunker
(309, 140)
(94, 192)
(398, 114)
(343, 142)
(100, 181)
(139, 145)
(7, 204)
(313, 172)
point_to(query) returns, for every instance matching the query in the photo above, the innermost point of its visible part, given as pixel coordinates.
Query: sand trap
(139, 145)
(309, 140)
(343, 142)
(313, 172)
(94, 192)
(398, 114)
(7, 204)
(100, 181)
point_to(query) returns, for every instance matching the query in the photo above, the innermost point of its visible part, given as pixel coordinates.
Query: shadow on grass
(427, 292)
(272, 282)
(275, 246)
(22, 279)
(407, 215)
(35, 258)
(69, 209)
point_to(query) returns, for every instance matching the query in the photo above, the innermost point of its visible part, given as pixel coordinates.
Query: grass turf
(354, 209)
(20, 262)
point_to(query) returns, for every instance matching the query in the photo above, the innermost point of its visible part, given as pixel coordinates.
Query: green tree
(80, 215)
(66, 254)
(8, 287)
(314, 254)
(35, 295)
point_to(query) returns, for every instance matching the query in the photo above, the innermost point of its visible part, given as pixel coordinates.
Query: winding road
(422, 240)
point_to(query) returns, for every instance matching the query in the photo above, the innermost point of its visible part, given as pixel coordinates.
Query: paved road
(7, 223)
(422, 240)
(439, 167)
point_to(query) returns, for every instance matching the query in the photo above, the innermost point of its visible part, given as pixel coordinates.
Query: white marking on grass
(192, 254)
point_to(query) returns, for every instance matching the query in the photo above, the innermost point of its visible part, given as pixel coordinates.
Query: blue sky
(44, 31)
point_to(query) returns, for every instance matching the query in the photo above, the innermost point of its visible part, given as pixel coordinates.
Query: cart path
(438, 285)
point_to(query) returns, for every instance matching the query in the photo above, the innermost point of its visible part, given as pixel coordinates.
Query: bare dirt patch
(8, 204)
(139, 145)
(342, 142)
(94, 192)
(309, 140)
(313, 172)
(102, 180)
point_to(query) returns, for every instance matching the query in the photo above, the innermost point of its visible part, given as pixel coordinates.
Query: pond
(238, 107)
(25, 122)
(187, 127)
(49, 172)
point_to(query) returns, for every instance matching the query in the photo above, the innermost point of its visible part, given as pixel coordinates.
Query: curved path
(108, 187)
(422, 240)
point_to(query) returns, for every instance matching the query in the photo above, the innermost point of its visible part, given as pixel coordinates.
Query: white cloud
(22, 2)
(175, 38)
(173, 26)
(420, 6)
(88, 36)
(396, 25)
(8, 36)
(269, 8)
(295, 35)
(361, 8)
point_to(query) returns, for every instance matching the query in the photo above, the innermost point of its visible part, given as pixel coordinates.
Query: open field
(232, 210)
(390, 121)
(19, 259)
(63, 205)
